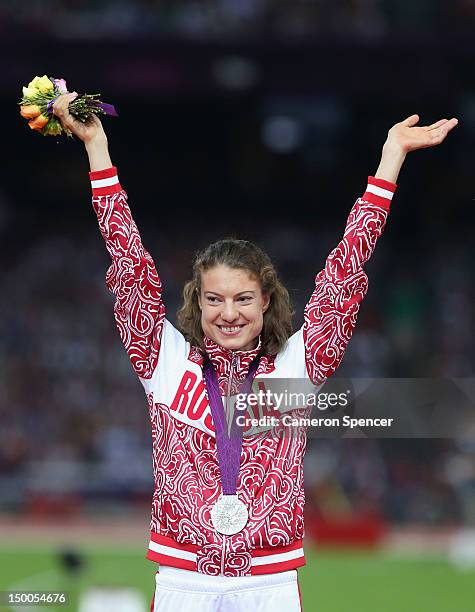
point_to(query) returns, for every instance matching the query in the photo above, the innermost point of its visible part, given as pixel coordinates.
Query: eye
(212, 299)
(244, 298)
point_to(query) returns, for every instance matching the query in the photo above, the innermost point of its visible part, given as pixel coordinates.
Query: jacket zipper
(223, 555)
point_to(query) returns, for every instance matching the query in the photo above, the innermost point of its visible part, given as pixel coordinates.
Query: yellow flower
(53, 128)
(43, 84)
(30, 92)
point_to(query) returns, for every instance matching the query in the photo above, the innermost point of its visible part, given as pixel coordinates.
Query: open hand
(408, 136)
(87, 132)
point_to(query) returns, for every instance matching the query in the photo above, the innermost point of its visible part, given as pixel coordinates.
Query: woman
(227, 516)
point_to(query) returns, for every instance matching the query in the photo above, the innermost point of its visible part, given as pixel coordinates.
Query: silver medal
(229, 515)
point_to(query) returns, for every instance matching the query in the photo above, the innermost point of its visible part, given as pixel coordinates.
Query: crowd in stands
(221, 19)
(74, 417)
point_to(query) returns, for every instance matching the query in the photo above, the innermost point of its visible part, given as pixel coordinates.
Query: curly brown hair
(241, 255)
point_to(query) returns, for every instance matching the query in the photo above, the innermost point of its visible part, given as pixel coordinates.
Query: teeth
(231, 329)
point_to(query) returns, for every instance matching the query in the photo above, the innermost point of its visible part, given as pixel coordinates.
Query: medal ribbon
(228, 447)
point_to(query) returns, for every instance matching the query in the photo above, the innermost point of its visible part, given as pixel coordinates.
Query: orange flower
(38, 123)
(30, 111)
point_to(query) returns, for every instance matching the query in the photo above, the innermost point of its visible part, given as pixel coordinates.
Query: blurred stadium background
(260, 119)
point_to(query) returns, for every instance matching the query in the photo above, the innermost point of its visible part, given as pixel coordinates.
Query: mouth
(230, 330)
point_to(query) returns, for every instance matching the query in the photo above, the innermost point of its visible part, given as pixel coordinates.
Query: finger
(438, 135)
(62, 103)
(410, 121)
(436, 125)
(60, 107)
(449, 124)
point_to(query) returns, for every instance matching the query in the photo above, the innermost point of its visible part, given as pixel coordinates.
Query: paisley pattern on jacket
(330, 315)
(187, 484)
(185, 461)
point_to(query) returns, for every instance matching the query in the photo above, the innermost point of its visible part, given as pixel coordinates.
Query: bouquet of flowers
(37, 102)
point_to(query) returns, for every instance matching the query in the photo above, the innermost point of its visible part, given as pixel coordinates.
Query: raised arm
(132, 277)
(330, 315)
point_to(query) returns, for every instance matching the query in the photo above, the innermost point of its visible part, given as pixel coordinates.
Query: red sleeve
(132, 277)
(330, 315)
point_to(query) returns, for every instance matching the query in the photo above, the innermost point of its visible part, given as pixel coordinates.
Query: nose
(229, 313)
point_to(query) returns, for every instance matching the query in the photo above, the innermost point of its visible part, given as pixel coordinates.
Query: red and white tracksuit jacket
(185, 461)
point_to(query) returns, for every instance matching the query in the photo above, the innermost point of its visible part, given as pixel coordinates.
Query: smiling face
(232, 307)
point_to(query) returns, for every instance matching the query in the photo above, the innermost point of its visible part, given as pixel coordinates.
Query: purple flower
(60, 85)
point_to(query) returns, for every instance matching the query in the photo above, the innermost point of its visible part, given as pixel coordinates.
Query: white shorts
(188, 591)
